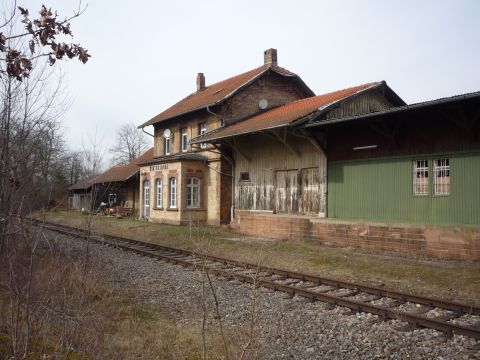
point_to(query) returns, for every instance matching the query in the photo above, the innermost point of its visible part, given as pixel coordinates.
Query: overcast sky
(146, 54)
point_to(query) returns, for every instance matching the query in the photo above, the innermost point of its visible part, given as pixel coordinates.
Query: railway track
(418, 311)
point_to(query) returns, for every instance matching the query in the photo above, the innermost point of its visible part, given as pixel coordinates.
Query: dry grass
(79, 315)
(452, 280)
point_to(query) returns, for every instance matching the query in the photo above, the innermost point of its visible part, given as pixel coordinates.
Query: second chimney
(270, 57)
(200, 81)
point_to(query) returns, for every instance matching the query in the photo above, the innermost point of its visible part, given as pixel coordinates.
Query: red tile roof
(124, 172)
(216, 93)
(83, 184)
(285, 114)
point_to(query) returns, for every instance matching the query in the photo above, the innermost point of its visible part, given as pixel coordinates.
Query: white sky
(146, 54)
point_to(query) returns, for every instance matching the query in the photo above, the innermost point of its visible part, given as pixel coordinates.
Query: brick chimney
(200, 81)
(270, 57)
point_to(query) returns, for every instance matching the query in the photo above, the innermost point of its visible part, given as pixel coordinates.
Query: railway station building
(355, 167)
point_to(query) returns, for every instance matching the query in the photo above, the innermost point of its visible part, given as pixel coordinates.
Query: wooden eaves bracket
(469, 125)
(389, 132)
(281, 136)
(233, 144)
(317, 144)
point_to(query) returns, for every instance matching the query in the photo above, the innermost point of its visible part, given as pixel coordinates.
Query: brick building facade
(185, 182)
(354, 167)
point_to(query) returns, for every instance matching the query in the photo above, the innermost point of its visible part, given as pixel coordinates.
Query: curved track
(419, 311)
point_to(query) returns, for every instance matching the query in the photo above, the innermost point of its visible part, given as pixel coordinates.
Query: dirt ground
(452, 280)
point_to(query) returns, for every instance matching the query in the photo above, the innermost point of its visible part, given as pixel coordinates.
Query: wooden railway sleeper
(382, 311)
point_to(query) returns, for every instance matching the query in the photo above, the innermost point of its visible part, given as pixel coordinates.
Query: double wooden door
(297, 191)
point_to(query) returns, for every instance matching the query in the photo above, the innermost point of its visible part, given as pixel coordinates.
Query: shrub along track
(418, 311)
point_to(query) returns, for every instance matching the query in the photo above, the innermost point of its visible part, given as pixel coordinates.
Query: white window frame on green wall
(441, 185)
(441, 176)
(420, 177)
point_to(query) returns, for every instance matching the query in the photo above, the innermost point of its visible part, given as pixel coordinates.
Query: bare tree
(30, 109)
(92, 154)
(73, 166)
(41, 34)
(30, 139)
(130, 143)
(31, 146)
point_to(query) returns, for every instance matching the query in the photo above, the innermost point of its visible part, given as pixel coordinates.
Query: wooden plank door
(310, 191)
(286, 191)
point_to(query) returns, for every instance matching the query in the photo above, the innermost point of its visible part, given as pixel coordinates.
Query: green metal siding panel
(382, 190)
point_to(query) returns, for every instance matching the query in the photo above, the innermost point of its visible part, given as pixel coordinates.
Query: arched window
(193, 193)
(159, 184)
(173, 192)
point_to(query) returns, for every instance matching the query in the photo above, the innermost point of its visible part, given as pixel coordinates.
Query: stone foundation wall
(460, 243)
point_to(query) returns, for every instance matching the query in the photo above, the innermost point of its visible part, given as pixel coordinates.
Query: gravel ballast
(284, 327)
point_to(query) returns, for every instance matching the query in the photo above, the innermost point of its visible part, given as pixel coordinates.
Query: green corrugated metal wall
(382, 190)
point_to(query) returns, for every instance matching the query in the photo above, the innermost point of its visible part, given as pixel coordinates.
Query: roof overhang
(232, 93)
(174, 158)
(115, 180)
(207, 138)
(218, 139)
(457, 99)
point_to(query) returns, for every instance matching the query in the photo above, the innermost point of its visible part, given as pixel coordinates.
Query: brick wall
(274, 88)
(277, 90)
(461, 243)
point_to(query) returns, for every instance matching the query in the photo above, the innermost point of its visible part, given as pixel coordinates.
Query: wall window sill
(158, 208)
(172, 209)
(194, 209)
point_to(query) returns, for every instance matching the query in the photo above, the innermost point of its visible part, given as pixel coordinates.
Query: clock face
(166, 133)
(262, 104)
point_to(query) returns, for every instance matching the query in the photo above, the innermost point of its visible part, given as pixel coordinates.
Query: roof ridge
(284, 114)
(362, 86)
(265, 66)
(213, 94)
(231, 78)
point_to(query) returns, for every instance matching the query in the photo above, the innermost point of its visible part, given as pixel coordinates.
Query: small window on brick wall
(184, 139)
(244, 176)
(166, 146)
(202, 129)
(441, 173)
(420, 177)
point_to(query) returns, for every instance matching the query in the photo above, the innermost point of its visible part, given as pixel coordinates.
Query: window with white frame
(173, 192)
(167, 144)
(203, 130)
(420, 177)
(159, 193)
(193, 193)
(184, 139)
(441, 176)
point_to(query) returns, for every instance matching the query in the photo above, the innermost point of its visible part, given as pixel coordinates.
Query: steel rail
(381, 292)
(169, 254)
